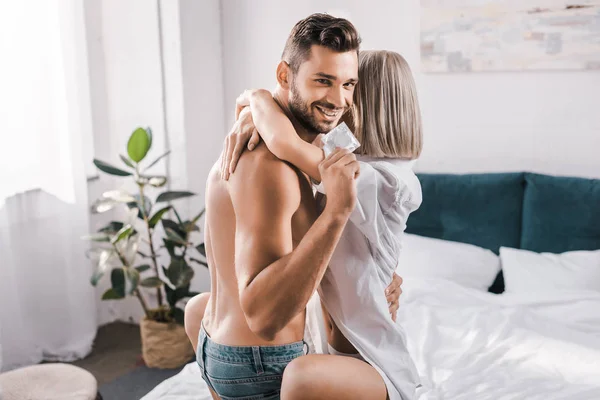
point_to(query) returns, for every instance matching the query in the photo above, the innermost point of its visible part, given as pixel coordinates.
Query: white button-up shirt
(361, 268)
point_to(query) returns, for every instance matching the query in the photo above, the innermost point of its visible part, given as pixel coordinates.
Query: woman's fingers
(396, 283)
(394, 309)
(253, 140)
(394, 295)
(235, 156)
(223, 156)
(228, 153)
(394, 316)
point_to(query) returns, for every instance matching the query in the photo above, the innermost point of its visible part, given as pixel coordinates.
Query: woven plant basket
(165, 345)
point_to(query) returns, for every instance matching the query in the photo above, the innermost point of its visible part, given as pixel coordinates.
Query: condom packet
(340, 136)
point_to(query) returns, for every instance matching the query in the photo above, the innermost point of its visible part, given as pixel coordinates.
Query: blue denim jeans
(245, 372)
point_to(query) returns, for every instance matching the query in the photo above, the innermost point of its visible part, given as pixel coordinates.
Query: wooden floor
(117, 350)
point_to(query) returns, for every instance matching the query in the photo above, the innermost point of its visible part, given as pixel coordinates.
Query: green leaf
(157, 181)
(109, 169)
(153, 163)
(102, 205)
(178, 315)
(201, 249)
(127, 161)
(175, 295)
(133, 279)
(138, 204)
(174, 195)
(128, 247)
(170, 246)
(120, 196)
(117, 280)
(189, 226)
(199, 261)
(102, 259)
(175, 227)
(149, 132)
(141, 180)
(157, 216)
(170, 295)
(123, 233)
(200, 214)
(152, 282)
(110, 294)
(112, 227)
(173, 236)
(179, 273)
(179, 220)
(142, 268)
(97, 237)
(139, 144)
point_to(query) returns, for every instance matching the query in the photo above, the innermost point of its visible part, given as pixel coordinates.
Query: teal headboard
(520, 210)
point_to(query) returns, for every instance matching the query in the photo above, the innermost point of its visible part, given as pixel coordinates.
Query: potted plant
(128, 250)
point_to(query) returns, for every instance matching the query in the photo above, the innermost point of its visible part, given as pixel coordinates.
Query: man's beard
(302, 112)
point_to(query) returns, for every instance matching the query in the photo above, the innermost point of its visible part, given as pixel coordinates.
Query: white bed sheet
(469, 344)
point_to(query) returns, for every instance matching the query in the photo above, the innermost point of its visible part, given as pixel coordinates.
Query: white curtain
(47, 305)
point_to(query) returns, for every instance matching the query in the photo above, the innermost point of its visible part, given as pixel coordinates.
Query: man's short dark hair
(337, 34)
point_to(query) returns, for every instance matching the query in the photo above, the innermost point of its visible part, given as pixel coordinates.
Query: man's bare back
(225, 320)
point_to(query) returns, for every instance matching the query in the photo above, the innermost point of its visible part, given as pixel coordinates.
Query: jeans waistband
(249, 353)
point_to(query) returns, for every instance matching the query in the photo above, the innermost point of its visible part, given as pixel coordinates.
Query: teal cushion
(481, 209)
(560, 214)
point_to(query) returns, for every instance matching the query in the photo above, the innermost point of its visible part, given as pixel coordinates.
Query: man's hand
(392, 294)
(243, 131)
(338, 175)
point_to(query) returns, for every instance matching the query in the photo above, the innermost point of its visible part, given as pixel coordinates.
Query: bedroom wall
(479, 122)
(155, 64)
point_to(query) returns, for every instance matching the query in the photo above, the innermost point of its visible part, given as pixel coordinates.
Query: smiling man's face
(321, 90)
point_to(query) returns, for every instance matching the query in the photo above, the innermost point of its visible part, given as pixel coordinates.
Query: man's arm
(276, 281)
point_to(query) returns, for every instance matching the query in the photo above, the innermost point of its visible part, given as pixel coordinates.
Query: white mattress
(469, 344)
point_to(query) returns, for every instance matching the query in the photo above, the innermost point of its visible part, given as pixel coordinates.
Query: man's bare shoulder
(265, 184)
(263, 170)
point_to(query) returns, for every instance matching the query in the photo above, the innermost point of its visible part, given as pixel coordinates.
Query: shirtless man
(267, 248)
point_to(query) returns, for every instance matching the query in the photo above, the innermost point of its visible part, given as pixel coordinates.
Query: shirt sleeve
(384, 200)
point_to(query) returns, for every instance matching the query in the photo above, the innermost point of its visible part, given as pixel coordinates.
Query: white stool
(48, 382)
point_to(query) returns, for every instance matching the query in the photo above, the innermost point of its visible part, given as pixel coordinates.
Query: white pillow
(465, 264)
(525, 270)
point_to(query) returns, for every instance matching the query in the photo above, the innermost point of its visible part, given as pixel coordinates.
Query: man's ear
(283, 74)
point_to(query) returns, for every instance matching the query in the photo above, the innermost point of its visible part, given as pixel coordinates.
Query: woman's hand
(392, 294)
(242, 101)
(243, 132)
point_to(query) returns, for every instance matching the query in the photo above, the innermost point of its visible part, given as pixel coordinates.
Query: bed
(535, 336)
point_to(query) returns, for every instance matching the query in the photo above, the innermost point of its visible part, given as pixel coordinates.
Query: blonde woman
(368, 357)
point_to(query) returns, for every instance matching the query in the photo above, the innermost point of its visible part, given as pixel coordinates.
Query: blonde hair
(386, 115)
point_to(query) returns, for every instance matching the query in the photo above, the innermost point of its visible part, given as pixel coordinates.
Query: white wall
(155, 64)
(203, 100)
(193, 86)
(126, 92)
(476, 122)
